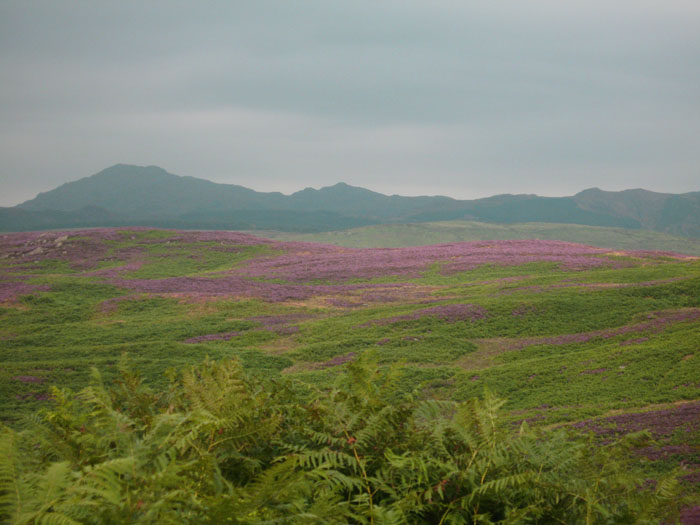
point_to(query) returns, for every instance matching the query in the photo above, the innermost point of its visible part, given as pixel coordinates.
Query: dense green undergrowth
(219, 446)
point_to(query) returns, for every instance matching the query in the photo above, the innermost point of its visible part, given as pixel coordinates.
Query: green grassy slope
(84, 313)
(422, 234)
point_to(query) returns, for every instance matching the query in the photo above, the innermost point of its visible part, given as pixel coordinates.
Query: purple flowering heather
(212, 337)
(635, 341)
(307, 262)
(338, 360)
(650, 254)
(224, 238)
(28, 379)
(661, 423)
(276, 320)
(86, 249)
(342, 303)
(82, 249)
(594, 371)
(110, 305)
(280, 324)
(657, 322)
(235, 286)
(308, 269)
(13, 287)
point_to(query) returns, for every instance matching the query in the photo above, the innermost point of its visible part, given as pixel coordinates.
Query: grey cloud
(457, 98)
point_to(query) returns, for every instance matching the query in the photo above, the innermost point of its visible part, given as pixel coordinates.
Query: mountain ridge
(125, 195)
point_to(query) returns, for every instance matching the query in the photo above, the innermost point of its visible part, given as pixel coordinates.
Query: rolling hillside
(422, 234)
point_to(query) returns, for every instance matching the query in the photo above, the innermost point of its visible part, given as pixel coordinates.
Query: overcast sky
(459, 98)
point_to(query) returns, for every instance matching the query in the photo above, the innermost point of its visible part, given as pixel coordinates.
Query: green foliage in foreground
(218, 446)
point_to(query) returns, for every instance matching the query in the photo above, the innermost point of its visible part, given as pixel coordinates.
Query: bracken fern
(219, 446)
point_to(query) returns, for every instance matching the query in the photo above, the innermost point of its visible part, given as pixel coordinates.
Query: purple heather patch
(665, 451)
(86, 249)
(280, 324)
(13, 287)
(283, 330)
(237, 286)
(28, 379)
(691, 515)
(381, 298)
(594, 371)
(82, 249)
(650, 254)
(110, 305)
(338, 360)
(212, 337)
(342, 303)
(302, 265)
(522, 310)
(270, 321)
(658, 321)
(307, 262)
(224, 238)
(661, 423)
(694, 477)
(450, 313)
(636, 341)
(37, 396)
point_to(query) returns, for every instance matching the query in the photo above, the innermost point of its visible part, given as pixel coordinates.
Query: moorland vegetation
(584, 345)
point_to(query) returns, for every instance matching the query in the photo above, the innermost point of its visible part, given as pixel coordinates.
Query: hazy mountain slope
(421, 234)
(19, 219)
(152, 191)
(681, 215)
(524, 208)
(678, 214)
(150, 196)
(285, 220)
(354, 201)
(149, 192)
(641, 205)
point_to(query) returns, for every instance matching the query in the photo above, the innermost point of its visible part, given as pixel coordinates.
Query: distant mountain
(125, 195)
(135, 191)
(509, 209)
(359, 202)
(145, 192)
